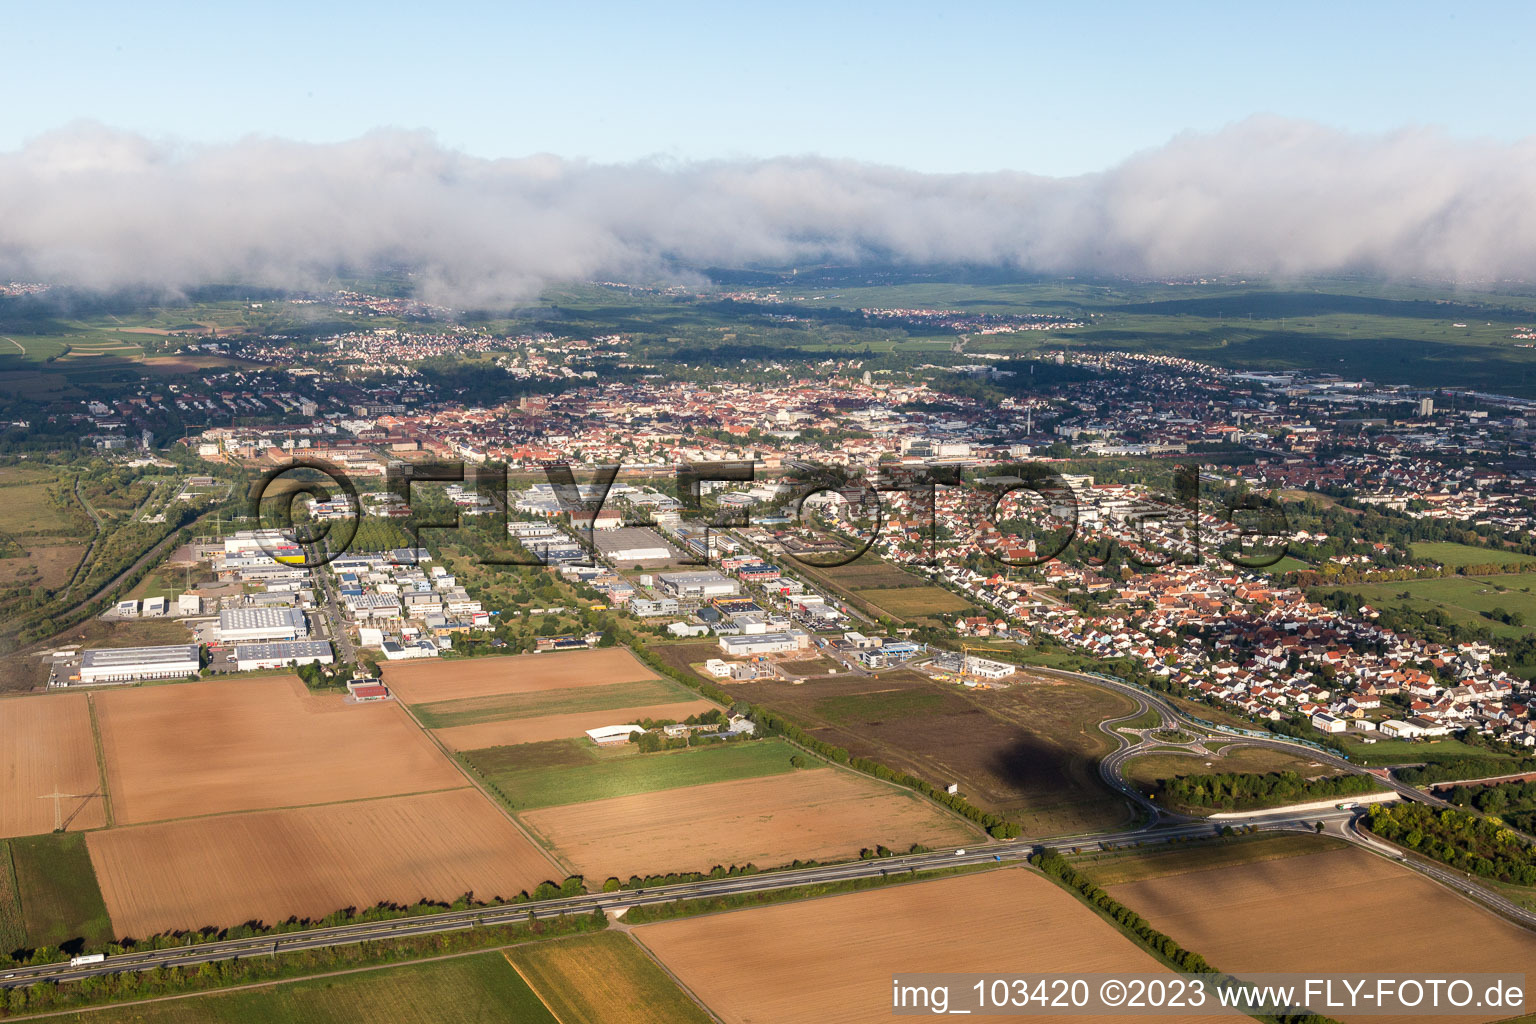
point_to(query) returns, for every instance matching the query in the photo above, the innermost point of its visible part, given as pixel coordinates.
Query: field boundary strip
(531, 986)
(290, 807)
(485, 792)
(101, 761)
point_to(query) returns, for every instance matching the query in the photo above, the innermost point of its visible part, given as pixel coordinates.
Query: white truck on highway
(86, 958)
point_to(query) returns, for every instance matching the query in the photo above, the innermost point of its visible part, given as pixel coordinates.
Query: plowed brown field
(818, 814)
(830, 961)
(207, 748)
(46, 747)
(559, 727)
(271, 865)
(417, 682)
(1327, 911)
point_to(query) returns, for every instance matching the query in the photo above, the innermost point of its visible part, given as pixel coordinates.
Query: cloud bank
(97, 208)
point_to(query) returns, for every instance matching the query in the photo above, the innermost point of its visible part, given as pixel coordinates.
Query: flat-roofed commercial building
(285, 652)
(259, 625)
(763, 643)
(633, 544)
(131, 664)
(706, 583)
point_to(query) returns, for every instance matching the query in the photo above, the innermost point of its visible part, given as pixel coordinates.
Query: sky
(933, 87)
(497, 149)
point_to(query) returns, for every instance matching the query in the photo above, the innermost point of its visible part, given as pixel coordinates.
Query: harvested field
(817, 814)
(1030, 751)
(555, 727)
(830, 960)
(448, 714)
(603, 979)
(1433, 932)
(310, 861)
(418, 682)
(46, 746)
(915, 602)
(188, 749)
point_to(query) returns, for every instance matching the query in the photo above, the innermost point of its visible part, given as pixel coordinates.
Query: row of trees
(1239, 790)
(1464, 840)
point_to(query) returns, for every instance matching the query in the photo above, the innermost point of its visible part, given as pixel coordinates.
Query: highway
(1162, 827)
(990, 853)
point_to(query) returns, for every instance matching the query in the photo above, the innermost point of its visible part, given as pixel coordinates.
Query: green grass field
(13, 923)
(1386, 752)
(858, 707)
(604, 979)
(1454, 556)
(1463, 598)
(1288, 564)
(60, 900)
(471, 710)
(462, 990)
(29, 510)
(621, 772)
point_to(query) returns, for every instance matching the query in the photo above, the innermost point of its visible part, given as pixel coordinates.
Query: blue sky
(931, 86)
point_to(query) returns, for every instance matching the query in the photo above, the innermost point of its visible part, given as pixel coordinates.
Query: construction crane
(965, 659)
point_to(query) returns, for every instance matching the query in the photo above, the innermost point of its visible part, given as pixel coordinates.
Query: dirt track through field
(189, 749)
(814, 814)
(557, 727)
(46, 746)
(830, 961)
(418, 682)
(271, 865)
(1339, 910)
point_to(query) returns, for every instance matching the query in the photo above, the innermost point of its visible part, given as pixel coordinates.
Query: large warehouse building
(131, 664)
(290, 652)
(764, 643)
(633, 544)
(705, 584)
(261, 625)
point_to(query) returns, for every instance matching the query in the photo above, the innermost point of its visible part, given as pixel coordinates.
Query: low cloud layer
(97, 208)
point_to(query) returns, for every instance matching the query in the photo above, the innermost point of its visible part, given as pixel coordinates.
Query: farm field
(13, 926)
(1299, 899)
(603, 979)
(459, 990)
(813, 814)
(310, 861)
(46, 746)
(831, 959)
(1462, 598)
(574, 771)
(1120, 866)
(553, 727)
(258, 744)
(1454, 556)
(1147, 769)
(915, 602)
(1030, 751)
(448, 714)
(421, 682)
(61, 903)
